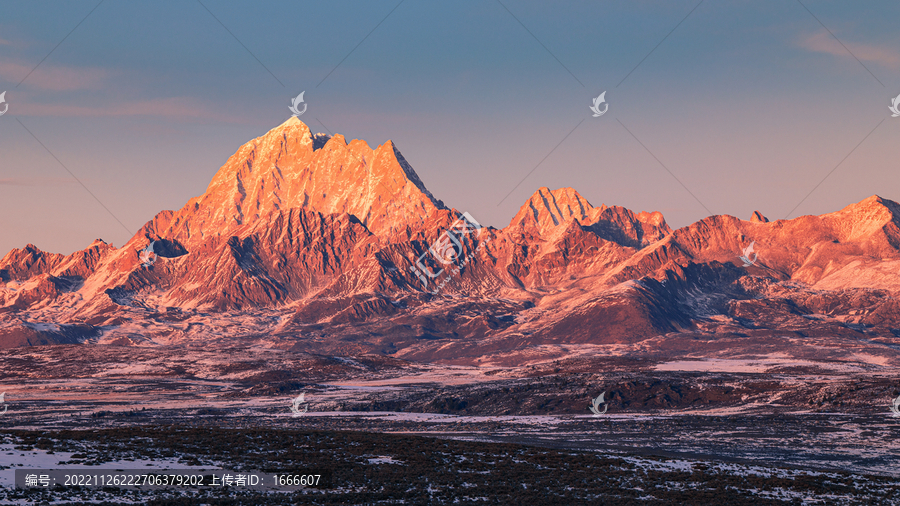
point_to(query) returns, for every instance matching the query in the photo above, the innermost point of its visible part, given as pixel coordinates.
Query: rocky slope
(288, 168)
(312, 243)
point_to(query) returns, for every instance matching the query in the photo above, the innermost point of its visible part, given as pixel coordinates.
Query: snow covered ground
(34, 458)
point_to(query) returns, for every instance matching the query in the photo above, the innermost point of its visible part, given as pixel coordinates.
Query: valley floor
(379, 468)
(760, 431)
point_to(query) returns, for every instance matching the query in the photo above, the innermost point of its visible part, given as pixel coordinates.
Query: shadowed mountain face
(312, 243)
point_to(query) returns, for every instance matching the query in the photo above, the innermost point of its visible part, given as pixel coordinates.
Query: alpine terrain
(309, 242)
(318, 296)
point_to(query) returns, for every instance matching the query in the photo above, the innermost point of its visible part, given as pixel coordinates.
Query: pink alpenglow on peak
(290, 167)
(312, 235)
(757, 217)
(547, 210)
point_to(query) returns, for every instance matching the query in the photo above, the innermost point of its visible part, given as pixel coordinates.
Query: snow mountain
(310, 242)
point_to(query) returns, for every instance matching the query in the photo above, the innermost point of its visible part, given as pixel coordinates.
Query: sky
(120, 109)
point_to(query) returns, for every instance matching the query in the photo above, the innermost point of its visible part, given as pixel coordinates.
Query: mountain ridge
(351, 249)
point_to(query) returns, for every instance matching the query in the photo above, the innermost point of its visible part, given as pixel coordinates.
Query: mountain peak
(293, 127)
(757, 217)
(289, 167)
(546, 211)
(293, 120)
(864, 218)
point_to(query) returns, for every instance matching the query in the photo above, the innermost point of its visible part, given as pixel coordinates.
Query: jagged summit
(546, 211)
(290, 167)
(757, 217)
(335, 234)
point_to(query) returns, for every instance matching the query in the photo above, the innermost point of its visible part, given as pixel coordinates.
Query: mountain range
(308, 242)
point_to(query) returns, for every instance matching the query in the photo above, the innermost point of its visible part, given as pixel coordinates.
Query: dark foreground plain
(767, 430)
(372, 468)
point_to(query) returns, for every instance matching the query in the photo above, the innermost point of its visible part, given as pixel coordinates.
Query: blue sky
(749, 104)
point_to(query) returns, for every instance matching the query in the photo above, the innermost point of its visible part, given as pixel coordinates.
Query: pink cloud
(823, 42)
(174, 107)
(53, 77)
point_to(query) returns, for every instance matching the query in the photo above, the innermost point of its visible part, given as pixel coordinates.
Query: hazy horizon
(750, 105)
